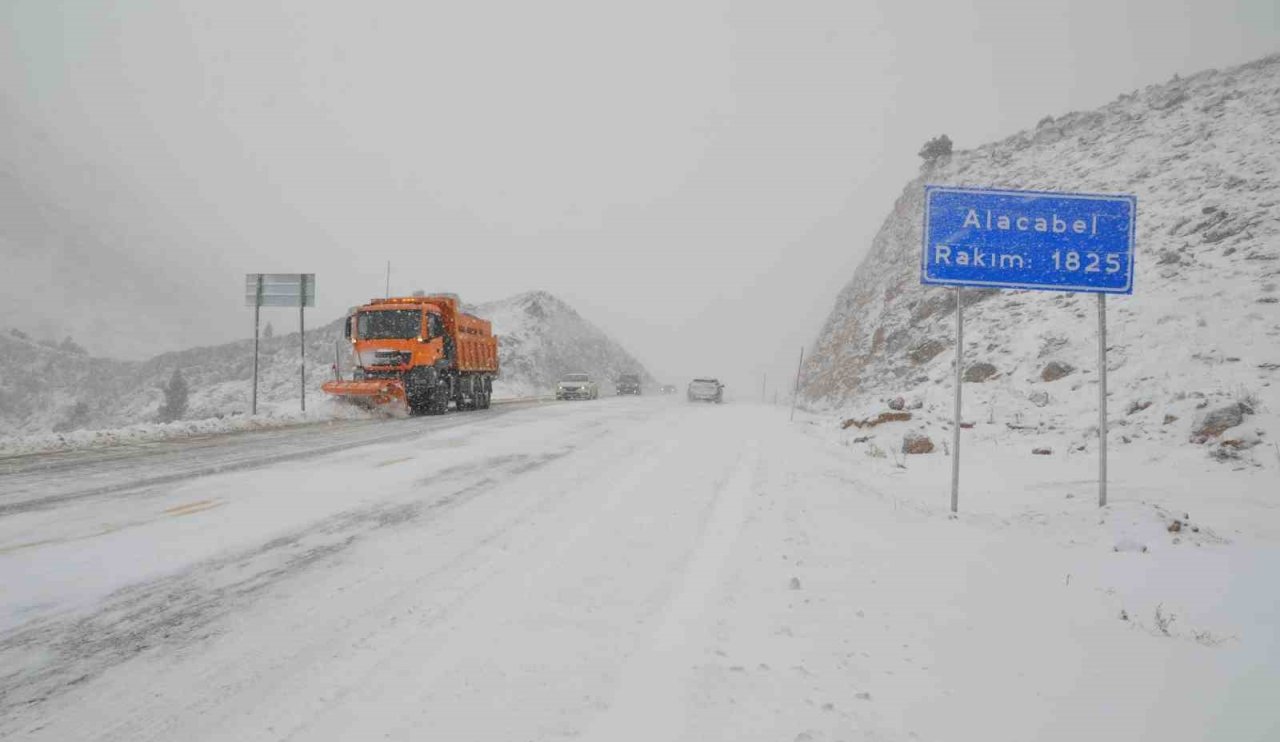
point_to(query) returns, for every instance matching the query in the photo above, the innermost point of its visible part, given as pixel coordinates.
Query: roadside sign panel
(281, 289)
(1028, 240)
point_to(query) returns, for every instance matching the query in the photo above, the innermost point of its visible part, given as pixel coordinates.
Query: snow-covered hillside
(1200, 333)
(45, 389)
(540, 337)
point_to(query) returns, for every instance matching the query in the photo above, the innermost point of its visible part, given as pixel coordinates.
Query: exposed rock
(1039, 398)
(883, 417)
(925, 351)
(897, 403)
(1138, 405)
(979, 372)
(1211, 424)
(1170, 419)
(916, 443)
(1054, 370)
(795, 583)
(1042, 451)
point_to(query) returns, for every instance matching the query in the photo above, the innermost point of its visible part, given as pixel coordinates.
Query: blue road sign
(1028, 240)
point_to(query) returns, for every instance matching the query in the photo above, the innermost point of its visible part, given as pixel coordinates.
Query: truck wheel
(417, 391)
(438, 400)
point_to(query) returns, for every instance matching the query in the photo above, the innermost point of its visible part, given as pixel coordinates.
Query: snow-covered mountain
(540, 338)
(57, 387)
(1201, 331)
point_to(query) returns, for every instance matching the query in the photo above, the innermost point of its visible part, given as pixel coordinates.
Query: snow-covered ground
(646, 569)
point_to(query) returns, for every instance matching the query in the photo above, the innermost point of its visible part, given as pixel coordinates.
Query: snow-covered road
(637, 569)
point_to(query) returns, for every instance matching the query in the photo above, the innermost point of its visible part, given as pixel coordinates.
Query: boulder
(979, 372)
(1039, 398)
(1211, 424)
(883, 417)
(916, 443)
(1042, 451)
(1055, 370)
(925, 351)
(1138, 405)
(897, 403)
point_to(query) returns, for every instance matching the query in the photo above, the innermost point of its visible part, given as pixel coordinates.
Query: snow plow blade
(369, 392)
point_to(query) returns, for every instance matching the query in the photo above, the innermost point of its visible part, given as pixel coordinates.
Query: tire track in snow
(648, 702)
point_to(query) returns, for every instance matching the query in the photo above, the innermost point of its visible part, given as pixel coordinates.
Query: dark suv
(628, 384)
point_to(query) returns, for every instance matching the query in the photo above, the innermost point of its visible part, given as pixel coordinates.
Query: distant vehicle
(628, 384)
(706, 390)
(667, 388)
(577, 386)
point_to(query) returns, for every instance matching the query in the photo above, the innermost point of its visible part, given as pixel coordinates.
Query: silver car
(706, 390)
(577, 386)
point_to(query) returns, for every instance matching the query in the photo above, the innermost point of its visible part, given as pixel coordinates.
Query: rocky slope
(47, 388)
(1201, 331)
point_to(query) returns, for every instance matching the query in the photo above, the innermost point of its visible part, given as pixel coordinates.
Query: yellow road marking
(193, 507)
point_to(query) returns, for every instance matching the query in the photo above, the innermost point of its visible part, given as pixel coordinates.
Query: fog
(700, 179)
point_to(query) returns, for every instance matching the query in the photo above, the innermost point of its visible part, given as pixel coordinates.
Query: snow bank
(272, 417)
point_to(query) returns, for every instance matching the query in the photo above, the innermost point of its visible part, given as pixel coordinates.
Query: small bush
(936, 148)
(176, 393)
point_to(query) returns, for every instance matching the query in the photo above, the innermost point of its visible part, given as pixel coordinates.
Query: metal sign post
(1102, 400)
(302, 339)
(280, 290)
(796, 392)
(989, 238)
(955, 432)
(257, 312)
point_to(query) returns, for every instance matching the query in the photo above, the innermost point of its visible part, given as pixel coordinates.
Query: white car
(577, 386)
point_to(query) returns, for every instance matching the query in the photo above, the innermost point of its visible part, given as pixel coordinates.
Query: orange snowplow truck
(421, 350)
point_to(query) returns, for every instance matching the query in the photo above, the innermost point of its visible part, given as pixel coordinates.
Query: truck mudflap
(369, 392)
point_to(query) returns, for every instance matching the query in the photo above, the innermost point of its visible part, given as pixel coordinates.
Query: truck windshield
(389, 323)
(575, 377)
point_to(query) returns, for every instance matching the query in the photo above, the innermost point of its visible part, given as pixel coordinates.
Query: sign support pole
(1102, 400)
(302, 333)
(795, 393)
(764, 383)
(955, 431)
(257, 311)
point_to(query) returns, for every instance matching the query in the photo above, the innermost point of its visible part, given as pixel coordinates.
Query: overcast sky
(698, 177)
